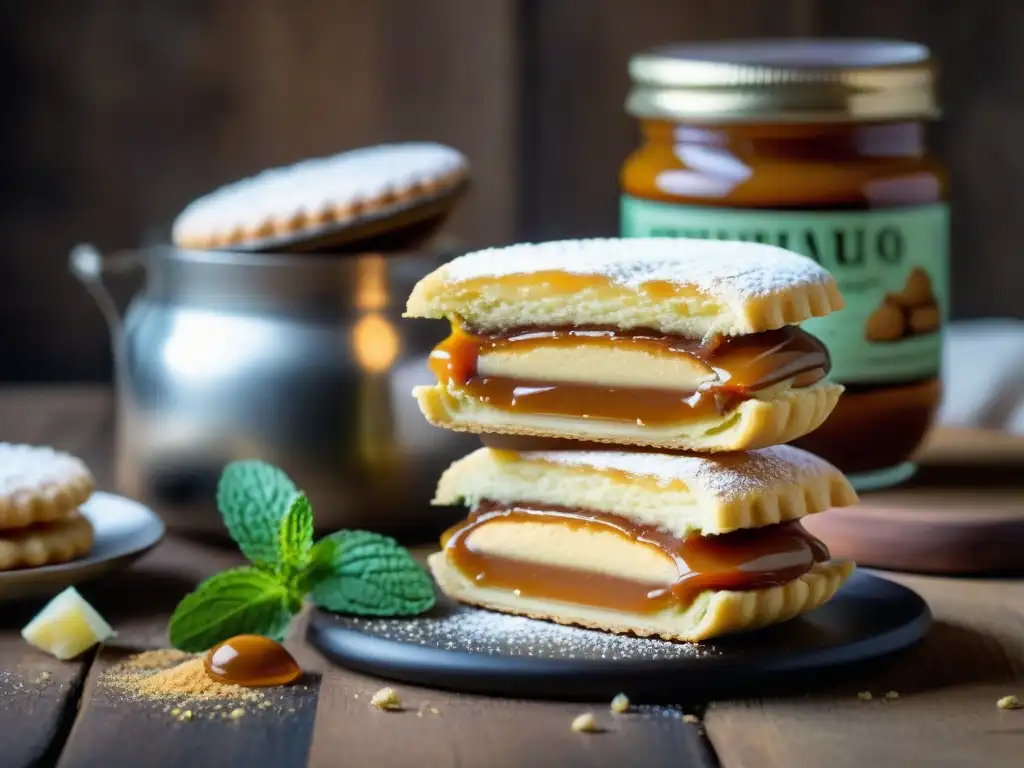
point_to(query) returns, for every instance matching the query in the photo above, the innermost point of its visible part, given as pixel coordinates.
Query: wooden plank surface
(945, 714)
(112, 729)
(481, 732)
(578, 133)
(38, 695)
(159, 103)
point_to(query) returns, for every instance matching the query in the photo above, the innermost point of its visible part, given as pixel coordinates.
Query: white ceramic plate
(125, 530)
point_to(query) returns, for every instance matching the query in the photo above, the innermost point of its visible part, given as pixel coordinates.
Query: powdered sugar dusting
(724, 475)
(30, 469)
(319, 184)
(733, 270)
(473, 630)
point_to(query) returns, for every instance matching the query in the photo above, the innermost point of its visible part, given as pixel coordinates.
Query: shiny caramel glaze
(755, 558)
(253, 661)
(744, 365)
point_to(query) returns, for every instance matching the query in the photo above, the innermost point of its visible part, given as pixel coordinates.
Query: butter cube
(67, 626)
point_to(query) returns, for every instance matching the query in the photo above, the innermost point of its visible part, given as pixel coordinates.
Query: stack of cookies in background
(634, 396)
(40, 492)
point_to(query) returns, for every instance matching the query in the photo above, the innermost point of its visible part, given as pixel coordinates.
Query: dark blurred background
(118, 112)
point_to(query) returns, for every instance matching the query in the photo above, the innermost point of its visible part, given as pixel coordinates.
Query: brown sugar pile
(189, 680)
(172, 675)
(158, 659)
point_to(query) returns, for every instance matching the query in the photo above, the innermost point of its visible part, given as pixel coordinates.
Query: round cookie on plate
(40, 492)
(387, 197)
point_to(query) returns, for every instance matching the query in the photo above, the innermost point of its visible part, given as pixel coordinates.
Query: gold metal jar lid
(785, 80)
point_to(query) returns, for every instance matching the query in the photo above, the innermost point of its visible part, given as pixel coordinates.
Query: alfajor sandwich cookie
(681, 547)
(669, 343)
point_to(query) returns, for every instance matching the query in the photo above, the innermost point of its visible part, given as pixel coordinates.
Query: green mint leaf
(321, 563)
(235, 602)
(295, 539)
(370, 575)
(325, 554)
(253, 497)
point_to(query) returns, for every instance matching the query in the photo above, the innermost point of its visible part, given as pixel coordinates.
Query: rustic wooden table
(54, 713)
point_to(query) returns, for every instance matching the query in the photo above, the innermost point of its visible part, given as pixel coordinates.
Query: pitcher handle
(90, 266)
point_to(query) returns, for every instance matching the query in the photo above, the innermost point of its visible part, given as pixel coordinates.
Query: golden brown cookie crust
(319, 194)
(711, 615)
(42, 544)
(684, 287)
(39, 484)
(753, 424)
(708, 494)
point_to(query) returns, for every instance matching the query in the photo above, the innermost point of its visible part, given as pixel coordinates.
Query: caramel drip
(744, 365)
(756, 558)
(252, 661)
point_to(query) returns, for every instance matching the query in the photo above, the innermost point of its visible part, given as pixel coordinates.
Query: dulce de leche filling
(755, 558)
(743, 365)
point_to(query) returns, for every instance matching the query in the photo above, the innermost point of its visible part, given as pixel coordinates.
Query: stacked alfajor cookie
(40, 492)
(635, 394)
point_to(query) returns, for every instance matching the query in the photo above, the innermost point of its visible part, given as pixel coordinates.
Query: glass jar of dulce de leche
(817, 146)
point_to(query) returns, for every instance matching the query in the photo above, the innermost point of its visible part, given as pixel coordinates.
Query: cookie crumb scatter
(585, 723)
(1009, 702)
(620, 703)
(386, 699)
(691, 719)
(890, 695)
(865, 696)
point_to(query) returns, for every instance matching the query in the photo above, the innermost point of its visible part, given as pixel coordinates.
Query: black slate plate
(467, 649)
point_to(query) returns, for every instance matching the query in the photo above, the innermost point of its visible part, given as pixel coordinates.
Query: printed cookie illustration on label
(891, 266)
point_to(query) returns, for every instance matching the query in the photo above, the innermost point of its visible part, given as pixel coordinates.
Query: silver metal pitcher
(299, 360)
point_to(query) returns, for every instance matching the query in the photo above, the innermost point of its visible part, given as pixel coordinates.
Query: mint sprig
(371, 575)
(231, 603)
(295, 539)
(253, 498)
(354, 572)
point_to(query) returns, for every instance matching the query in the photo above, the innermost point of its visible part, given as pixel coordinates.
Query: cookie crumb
(865, 696)
(691, 719)
(387, 699)
(434, 710)
(890, 695)
(585, 723)
(620, 703)
(1009, 702)
(236, 713)
(186, 715)
(175, 712)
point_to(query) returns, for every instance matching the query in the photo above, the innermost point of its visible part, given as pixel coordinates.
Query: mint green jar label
(891, 266)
